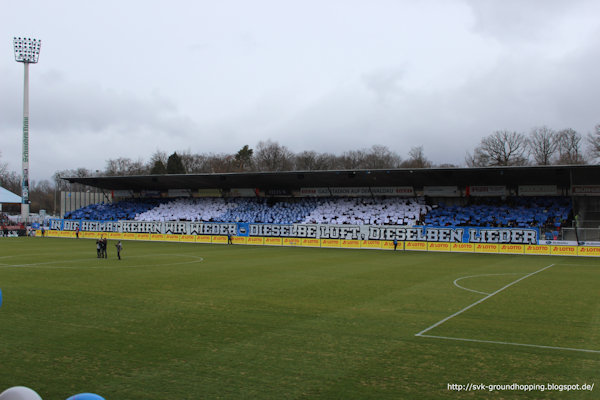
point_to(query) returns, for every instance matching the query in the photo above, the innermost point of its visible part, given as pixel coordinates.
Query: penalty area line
(538, 346)
(480, 301)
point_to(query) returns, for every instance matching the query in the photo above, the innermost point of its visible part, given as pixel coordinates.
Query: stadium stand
(358, 211)
(548, 213)
(545, 212)
(369, 211)
(122, 210)
(269, 211)
(258, 210)
(205, 209)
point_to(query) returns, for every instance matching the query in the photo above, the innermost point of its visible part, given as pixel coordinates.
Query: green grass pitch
(193, 321)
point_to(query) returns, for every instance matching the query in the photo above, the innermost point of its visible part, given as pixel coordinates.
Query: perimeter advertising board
(486, 248)
(563, 250)
(291, 242)
(463, 247)
(374, 244)
(187, 238)
(447, 234)
(415, 246)
(416, 238)
(537, 249)
(511, 249)
(255, 240)
(311, 242)
(438, 246)
(350, 244)
(589, 251)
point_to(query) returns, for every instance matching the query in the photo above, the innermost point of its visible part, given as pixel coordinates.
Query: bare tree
(379, 157)
(72, 173)
(502, 148)
(306, 161)
(158, 163)
(125, 166)
(594, 142)
(11, 181)
(416, 159)
(220, 163)
(271, 156)
(352, 159)
(3, 167)
(543, 145)
(42, 196)
(194, 163)
(476, 159)
(313, 161)
(62, 184)
(569, 147)
(159, 155)
(327, 161)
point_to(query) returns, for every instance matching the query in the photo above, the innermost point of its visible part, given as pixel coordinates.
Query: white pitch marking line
(475, 276)
(48, 264)
(480, 301)
(539, 346)
(575, 265)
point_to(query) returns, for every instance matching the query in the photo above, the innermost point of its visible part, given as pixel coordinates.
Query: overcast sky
(126, 78)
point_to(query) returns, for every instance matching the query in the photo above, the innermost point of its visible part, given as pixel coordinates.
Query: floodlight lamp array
(27, 50)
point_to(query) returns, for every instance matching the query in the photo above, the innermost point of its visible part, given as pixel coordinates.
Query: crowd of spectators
(369, 211)
(122, 210)
(188, 209)
(544, 212)
(521, 212)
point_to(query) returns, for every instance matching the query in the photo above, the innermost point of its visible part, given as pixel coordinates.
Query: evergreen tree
(158, 168)
(175, 165)
(243, 158)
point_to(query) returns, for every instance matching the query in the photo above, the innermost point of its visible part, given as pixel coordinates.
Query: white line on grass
(480, 301)
(475, 276)
(539, 346)
(575, 265)
(49, 264)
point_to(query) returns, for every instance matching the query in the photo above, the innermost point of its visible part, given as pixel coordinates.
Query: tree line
(541, 146)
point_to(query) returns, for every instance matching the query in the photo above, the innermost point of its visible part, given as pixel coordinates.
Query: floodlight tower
(27, 51)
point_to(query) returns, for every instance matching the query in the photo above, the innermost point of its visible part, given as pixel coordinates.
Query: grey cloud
(518, 94)
(385, 82)
(522, 21)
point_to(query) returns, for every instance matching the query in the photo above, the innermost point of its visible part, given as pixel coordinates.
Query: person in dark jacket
(119, 247)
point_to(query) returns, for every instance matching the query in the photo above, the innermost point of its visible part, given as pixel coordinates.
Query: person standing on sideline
(395, 243)
(105, 247)
(229, 241)
(77, 232)
(103, 243)
(98, 248)
(119, 247)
